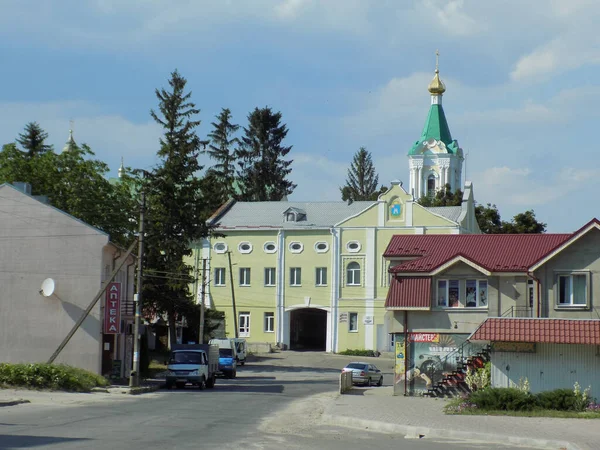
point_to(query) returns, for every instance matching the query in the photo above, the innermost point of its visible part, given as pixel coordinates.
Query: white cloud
(452, 16)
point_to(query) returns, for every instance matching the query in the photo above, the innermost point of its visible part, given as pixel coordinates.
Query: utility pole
(202, 291)
(134, 379)
(235, 325)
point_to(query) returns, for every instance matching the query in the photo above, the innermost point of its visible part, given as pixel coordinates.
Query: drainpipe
(405, 350)
(539, 303)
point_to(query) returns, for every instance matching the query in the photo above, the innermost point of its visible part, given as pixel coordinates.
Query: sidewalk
(377, 410)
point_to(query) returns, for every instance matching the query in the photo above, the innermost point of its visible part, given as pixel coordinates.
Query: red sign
(112, 309)
(424, 337)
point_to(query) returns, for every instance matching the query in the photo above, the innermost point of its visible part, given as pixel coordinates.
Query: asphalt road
(257, 411)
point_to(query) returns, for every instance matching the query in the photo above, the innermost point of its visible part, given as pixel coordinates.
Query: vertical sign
(400, 364)
(112, 309)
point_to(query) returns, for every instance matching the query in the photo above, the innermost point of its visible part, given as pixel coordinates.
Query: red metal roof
(409, 293)
(550, 331)
(494, 252)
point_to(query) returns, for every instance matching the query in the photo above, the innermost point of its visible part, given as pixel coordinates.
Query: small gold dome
(436, 87)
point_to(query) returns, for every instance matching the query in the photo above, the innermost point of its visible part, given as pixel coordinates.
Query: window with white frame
(353, 274)
(220, 247)
(244, 324)
(353, 322)
(530, 293)
(295, 276)
(321, 276)
(353, 246)
(450, 293)
(245, 247)
(244, 276)
(270, 247)
(269, 276)
(296, 247)
(219, 276)
(321, 247)
(572, 290)
(269, 322)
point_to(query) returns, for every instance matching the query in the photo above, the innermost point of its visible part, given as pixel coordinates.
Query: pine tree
(32, 140)
(222, 150)
(263, 172)
(174, 205)
(362, 180)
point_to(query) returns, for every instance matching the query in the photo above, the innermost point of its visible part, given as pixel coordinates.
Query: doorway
(308, 329)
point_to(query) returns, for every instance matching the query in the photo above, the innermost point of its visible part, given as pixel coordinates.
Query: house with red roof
(525, 302)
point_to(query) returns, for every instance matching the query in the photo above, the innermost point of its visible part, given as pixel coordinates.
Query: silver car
(364, 373)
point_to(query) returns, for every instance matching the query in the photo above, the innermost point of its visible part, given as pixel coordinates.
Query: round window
(245, 247)
(270, 247)
(296, 247)
(220, 247)
(321, 247)
(353, 246)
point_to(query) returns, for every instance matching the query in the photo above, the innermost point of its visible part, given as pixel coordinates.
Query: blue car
(227, 363)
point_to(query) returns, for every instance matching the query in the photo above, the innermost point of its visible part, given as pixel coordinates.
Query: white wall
(39, 242)
(552, 366)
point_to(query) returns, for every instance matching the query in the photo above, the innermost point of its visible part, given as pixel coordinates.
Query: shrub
(49, 376)
(357, 352)
(480, 378)
(559, 399)
(504, 399)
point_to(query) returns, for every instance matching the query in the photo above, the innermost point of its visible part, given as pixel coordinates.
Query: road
(271, 405)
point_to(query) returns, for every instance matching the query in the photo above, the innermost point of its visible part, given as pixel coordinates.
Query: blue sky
(521, 77)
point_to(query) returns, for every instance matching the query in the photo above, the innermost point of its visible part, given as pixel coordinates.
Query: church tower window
(431, 185)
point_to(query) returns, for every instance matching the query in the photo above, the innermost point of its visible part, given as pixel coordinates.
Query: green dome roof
(436, 127)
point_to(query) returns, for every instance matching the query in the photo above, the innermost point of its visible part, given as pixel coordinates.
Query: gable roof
(548, 331)
(271, 214)
(449, 212)
(493, 252)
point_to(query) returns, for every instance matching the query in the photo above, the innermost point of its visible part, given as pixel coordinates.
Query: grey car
(364, 373)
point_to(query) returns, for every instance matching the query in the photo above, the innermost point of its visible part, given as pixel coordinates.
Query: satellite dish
(47, 287)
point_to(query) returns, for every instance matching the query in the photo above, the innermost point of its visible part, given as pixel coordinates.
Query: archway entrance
(308, 329)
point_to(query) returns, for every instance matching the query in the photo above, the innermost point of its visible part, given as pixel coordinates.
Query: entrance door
(244, 324)
(308, 329)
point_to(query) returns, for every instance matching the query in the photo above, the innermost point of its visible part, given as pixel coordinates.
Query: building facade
(312, 274)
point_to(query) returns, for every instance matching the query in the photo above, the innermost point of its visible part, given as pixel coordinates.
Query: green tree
(174, 205)
(443, 197)
(263, 171)
(222, 149)
(488, 219)
(490, 222)
(32, 140)
(525, 222)
(362, 180)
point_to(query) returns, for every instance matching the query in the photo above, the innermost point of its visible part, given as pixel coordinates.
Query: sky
(522, 85)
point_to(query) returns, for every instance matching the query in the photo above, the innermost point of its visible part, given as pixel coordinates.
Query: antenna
(48, 287)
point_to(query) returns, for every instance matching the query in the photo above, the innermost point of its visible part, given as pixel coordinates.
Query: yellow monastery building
(311, 275)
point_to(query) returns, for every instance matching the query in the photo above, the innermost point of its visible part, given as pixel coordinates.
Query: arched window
(353, 274)
(431, 185)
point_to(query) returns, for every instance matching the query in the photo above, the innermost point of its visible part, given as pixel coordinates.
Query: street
(273, 404)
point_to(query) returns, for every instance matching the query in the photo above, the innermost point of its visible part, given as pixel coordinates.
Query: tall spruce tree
(362, 180)
(263, 171)
(32, 140)
(222, 149)
(174, 206)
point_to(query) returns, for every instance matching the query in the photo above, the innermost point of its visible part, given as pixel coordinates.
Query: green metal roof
(436, 127)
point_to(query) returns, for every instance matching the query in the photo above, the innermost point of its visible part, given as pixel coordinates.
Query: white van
(241, 349)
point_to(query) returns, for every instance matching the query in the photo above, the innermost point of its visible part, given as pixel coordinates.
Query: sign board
(343, 317)
(424, 337)
(368, 320)
(518, 347)
(112, 309)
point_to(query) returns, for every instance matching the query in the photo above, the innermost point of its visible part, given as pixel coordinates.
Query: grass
(58, 377)
(459, 406)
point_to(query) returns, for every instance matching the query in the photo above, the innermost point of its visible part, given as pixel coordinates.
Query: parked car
(196, 364)
(364, 373)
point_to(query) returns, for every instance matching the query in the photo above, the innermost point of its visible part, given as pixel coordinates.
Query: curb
(413, 432)
(145, 389)
(13, 402)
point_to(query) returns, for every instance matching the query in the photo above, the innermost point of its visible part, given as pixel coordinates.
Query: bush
(49, 376)
(357, 352)
(503, 399)
(559, 399)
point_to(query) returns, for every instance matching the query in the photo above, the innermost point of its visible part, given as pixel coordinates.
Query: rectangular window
(244, 276)
(530, 293)
(475, 294)
(353, 321)
(295, 276)
(572, 290)
(269, 276)
(321, 276)
(442, 293)
(219, 276)
(244, 324)
(453, 293)
(269, 322)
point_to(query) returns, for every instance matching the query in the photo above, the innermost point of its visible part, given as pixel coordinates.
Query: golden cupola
(436, 87)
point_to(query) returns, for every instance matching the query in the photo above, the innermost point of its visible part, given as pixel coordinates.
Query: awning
(409, 293)
(548, 331)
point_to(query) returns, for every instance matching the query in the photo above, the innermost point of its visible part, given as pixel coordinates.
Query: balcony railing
(518, 311)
